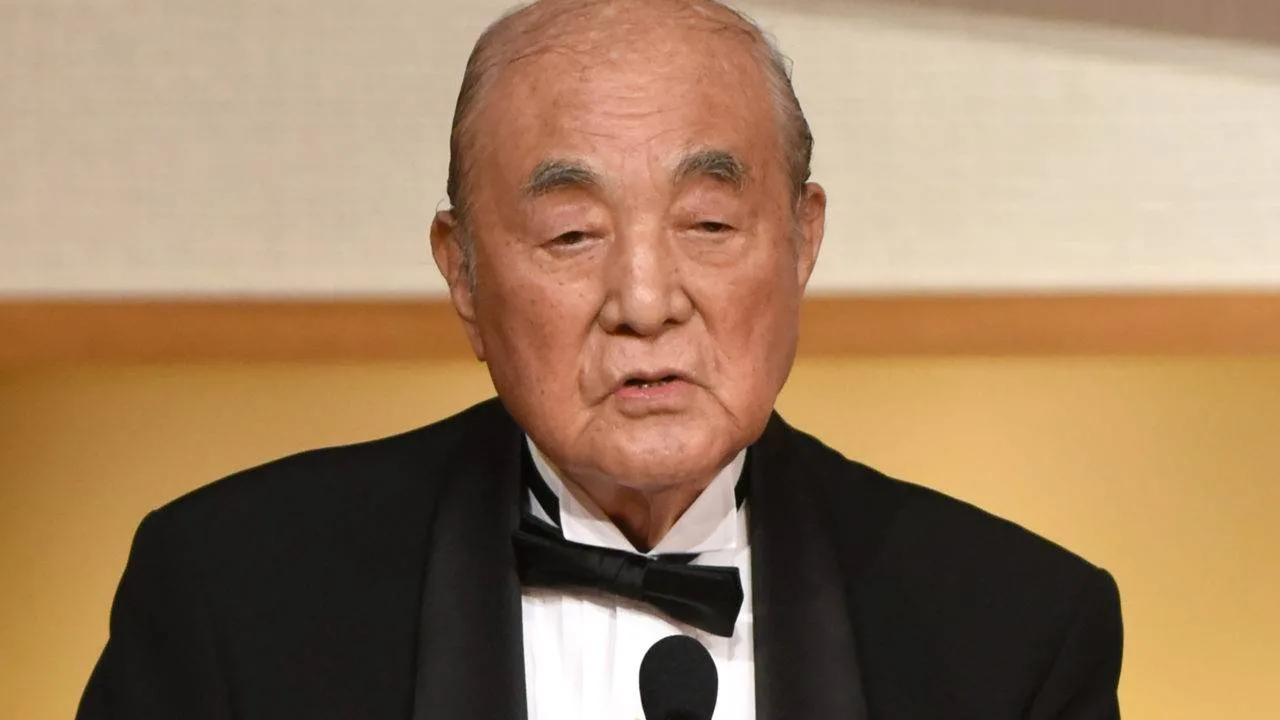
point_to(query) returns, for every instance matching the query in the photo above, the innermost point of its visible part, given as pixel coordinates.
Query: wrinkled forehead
(635, 93)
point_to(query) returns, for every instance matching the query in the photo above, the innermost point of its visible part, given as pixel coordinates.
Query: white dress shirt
(582, 649)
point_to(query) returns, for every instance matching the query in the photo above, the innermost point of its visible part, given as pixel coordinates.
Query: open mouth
(643, 383)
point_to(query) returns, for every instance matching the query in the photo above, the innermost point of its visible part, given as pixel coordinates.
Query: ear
(446, 248)
(812, 219)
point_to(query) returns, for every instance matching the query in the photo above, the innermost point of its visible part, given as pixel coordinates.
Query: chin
(668, 456)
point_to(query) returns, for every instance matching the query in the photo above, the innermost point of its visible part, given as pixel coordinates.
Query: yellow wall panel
(1164, 471)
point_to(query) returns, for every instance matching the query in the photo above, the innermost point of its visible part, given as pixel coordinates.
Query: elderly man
(631, 231)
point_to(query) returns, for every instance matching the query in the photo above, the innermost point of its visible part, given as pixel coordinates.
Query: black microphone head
(678, 680)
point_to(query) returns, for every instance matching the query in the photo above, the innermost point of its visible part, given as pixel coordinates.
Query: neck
(643, 516)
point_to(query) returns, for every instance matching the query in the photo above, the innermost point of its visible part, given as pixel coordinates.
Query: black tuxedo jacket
(376, 582)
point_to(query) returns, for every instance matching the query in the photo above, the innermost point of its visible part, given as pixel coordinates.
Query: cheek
(537, 332)
(753, 322)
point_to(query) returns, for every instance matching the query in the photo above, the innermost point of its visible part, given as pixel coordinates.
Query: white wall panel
(963, 151)
(300, 147)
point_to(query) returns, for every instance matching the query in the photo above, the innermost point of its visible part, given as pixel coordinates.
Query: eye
(570, 238)
(713, 227)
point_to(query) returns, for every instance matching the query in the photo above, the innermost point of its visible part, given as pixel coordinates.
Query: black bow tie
(704, 596)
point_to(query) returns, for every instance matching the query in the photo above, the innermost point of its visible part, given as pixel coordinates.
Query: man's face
(639, 255)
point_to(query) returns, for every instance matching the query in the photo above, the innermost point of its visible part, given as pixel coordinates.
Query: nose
(646, 293)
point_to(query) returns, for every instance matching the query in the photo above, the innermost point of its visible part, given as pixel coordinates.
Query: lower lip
(668, 396)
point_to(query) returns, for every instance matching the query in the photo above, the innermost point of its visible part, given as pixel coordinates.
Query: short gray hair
(486, 60)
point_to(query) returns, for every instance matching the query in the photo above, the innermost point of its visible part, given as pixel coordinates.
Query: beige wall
(151, 146)
(1164, 471)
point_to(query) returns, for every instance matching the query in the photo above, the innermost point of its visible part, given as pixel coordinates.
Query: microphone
(678, 680)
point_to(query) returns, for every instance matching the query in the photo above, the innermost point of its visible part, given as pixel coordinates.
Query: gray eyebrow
(557, 174)
(552, 175)
(720, 165)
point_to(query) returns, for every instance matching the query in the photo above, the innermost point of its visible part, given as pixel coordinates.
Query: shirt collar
(709, 525)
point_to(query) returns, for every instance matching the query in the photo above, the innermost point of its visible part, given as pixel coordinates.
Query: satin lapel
(805, 650)
(470, 644)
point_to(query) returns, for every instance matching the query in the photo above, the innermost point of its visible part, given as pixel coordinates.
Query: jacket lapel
(470, 663)
(805, 650)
